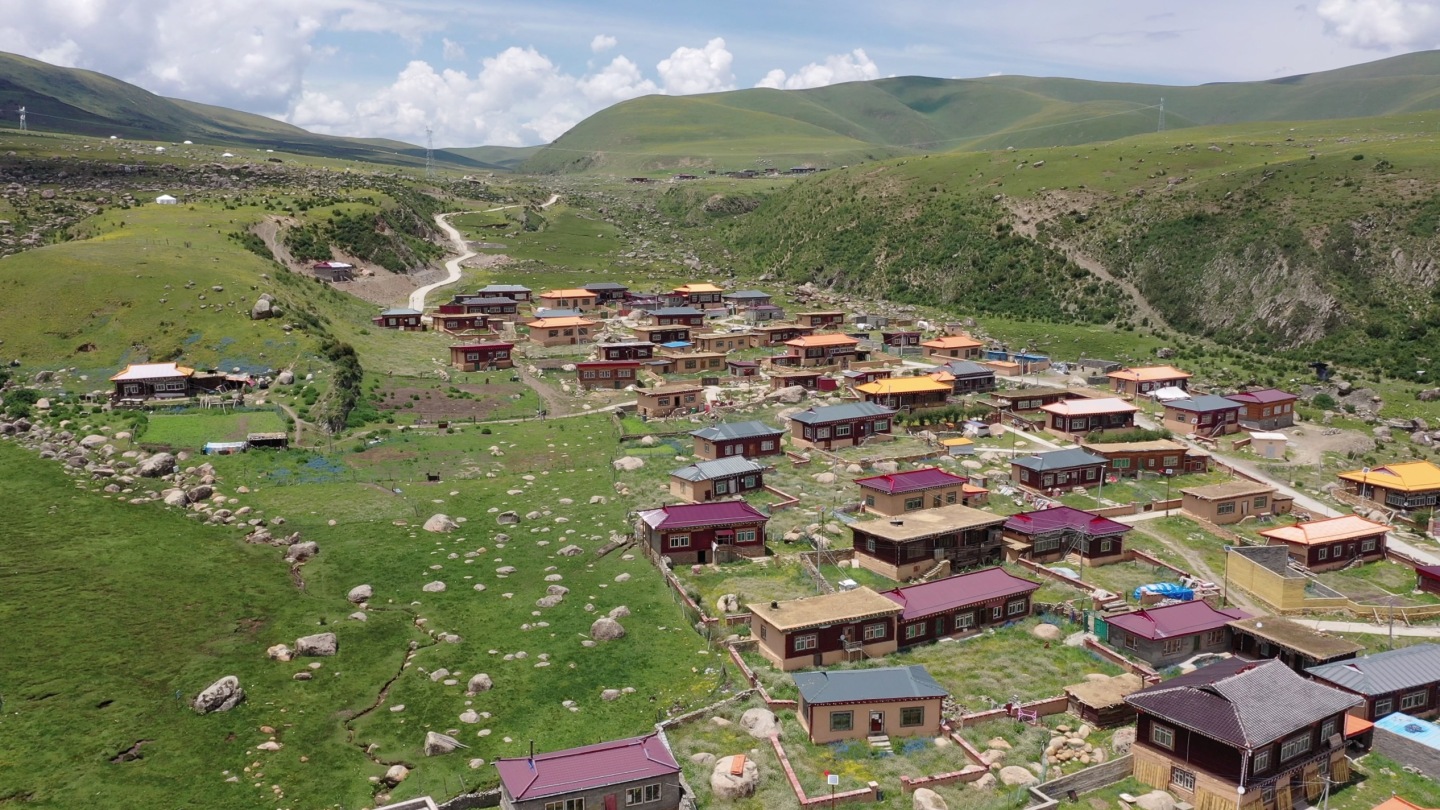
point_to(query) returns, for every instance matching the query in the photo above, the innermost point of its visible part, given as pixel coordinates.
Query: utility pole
(1161, 127)
(23, 126)
(429, 151)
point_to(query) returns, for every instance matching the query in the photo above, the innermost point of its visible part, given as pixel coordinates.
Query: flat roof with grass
(1228, 489)
(1297, 637)
(925, 523)
(831, 608)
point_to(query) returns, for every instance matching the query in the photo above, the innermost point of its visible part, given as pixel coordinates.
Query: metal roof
(966, 368)
(1088, 407)
(841, 413)
(719, 468)
(574, 770)
(1242, 703)
(1389, 671)
(401, 311)
(605, 285)
(1059, 460)
(504, 288)
(952, 593)
(674, 312)
(727, 431)
(861, 685)
(746, 294)
(911, 481)
(1265, 396)
(1171, 621)
(1208, 403)
(1064, 517)
(487, 302)
(691, 515)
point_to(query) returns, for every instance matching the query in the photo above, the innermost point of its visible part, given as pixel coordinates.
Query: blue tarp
(1412, 728)
(224, 448)
(676, 344)
(1169, 590)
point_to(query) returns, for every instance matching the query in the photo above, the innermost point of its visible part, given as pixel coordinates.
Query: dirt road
(462, 251)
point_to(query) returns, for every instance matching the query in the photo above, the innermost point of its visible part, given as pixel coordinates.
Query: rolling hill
(839, 124)
(82, 102)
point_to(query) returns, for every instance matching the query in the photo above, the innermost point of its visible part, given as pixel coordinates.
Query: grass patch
(191, 430)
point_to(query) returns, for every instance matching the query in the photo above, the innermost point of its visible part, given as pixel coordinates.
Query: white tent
(166, 199)
(1169, 393)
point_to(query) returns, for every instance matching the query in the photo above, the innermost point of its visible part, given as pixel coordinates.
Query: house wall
(483, 359)
(982, 614)
(1214, 423)
(975, 385)
(899, 503)
(703, 491)
(1090, 475)
(816, 720)
(1426, 584)
(859, 430)
(1087, 547)
(1377, 706)
(1336, 555)
(596, 798)
(967, 353)
(657, 336)
(703, 541)
(1283, 594)
(614, 376)
(1267, 417)
(690, 363)
(1078, 427)
(1161, 653)
(563, 336)
(1400, 749)
(654, 405)
(779, 646)
(905, 402)
(1131, 464)
(758, 447)
(1217, 512)
(905, 561)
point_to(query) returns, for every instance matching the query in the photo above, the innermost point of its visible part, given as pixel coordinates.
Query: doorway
(700, 556)
(877, 723)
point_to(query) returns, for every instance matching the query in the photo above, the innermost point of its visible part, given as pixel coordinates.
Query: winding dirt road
(462, 251)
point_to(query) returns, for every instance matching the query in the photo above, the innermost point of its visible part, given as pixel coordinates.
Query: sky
(515, 74)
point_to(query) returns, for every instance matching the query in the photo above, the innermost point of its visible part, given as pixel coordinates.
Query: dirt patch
(372, 282)
(1308, 445)
(474, 400)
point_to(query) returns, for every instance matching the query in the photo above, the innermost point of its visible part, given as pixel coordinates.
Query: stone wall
(1400, 749)
(1051, 793)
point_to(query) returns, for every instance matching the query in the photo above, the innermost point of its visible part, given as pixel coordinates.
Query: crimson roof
(1169, 621)
(943, 595)
(1064, 517)
(592, 766)
(690, 515)
(910, 481)
(1265, 396)
(1429, 571)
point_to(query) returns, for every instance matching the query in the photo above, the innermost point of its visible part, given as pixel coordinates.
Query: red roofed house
(634, 772)
(1161, 636)
(927, 488)
(819, 350)
(1075, 418)
(1427, 578)
(1323, 545)
(1266, 409)
(689, 533)
(1132, 382)
(1063, 532)
(960, 605)
(481, 356)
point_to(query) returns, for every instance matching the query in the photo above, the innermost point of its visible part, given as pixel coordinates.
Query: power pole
(23, 126)
(429, 151)
(1161, 127)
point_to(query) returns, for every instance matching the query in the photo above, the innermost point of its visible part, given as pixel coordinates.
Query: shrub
(1323, 401)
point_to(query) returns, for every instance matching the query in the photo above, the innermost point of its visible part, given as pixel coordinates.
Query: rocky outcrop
(220, 696)
(319, 645)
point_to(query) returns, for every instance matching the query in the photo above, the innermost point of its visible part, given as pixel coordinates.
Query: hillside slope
(839, 124)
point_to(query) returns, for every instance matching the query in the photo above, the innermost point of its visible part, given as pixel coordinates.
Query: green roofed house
(857, 704)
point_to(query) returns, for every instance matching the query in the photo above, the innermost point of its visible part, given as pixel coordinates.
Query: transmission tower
(23, 126)
(429, 151)
(1161, 127)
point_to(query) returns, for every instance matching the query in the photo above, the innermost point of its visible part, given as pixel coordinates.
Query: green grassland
(190, 431)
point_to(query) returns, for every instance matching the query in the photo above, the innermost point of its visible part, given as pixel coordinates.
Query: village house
(742, 300)
(960, 605)
(1265, 409)
(724, 342)
(966, 377)
(819, 350)
(561, 331)
(912, 544)
(728, 439)
(634, 772)
(906, 393)
(664, 400)
(901, 339)
(1059, 470)
(1293, 644)
(1269, 445)
(859, 704)
(459, 324)
(1407, 486)
(577, 299)
(1324, 545)
(1130, 459)
(1233, 501)
(855, 377)
(1427, 579)
(1218, 738)
(817, 631)
(1027, 399)
(607, 292)
(692, 362)
(742, 368)
(829, 319)
(1205, 416)
(1100, 702)
(334, 271)
(141, 381)
(612, 374)
(629, 350)
(1076, 418)
(833, 426)
(402, 318)
(896, 493)
(662, 335)
(1134, 382)
(482, 356)
(1064, 533)
(700, 294)
(809, 380)
(778, 334)
(501, 308)
(763, 314)
(717, 480)
(691, 533)
(1402, 680)
(513, 291)
(1166, 635)
(676, 316)
(952, 347)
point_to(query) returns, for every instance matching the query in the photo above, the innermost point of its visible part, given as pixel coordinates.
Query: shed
(1269, 445)
(278, 441)
(1102, 702)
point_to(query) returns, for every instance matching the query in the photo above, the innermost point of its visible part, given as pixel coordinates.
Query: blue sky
(522, 73)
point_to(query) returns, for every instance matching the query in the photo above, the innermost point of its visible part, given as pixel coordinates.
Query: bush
(1323, 401)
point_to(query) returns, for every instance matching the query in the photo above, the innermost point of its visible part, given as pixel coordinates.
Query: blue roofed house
(857, 704)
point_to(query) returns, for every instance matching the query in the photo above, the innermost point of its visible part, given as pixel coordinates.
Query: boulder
(1123, 738)
(990, 756)
(158, 465)
(360, 593)
(396, 775)
(279, 652)
(220, 696)
(1014, 775)
(440, 524)
(175, 497)
(437, 744)
(927, 799)
(1048, 632)
(571, 551)
(199, 492)
(433, 587)
(789, 395)
(985, 782)
(300, 552)
(610, 694)
(93, 441)
(727, 786)
(286, 377)
(479, 682)
(998, 742)
(729, 603)
(824, 478)
(762, 724)
(628, 464)
(261, 310)
(606, 629)
(320, 645)
(556, 590)
(1155, 800)
(619, 612)
(703, 758)
(885, 467)
(549, 601)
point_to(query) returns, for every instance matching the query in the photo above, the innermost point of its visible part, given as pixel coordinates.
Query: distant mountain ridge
(845, 123)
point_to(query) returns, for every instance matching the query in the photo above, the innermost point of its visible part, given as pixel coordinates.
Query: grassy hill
(839, 124)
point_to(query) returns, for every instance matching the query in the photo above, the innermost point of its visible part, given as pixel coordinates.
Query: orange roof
(1394, 802)
(903, 385)
(812, 341)
(568, 294)
(152, 371)
(559, 323)
(952, 342)
(1089, 407)
(1329, 530)
(1354, 727)
(1409, 476)
(697, 288)
(1150, 374)
(942, 376)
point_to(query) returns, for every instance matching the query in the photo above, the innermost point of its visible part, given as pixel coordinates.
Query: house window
(1214, 637)
(1267, 794)
(763, 634)
(652, 792)
(913, 716)
(1227, 508)
(842, 721)
(1183, 779)
(997, 613)
(1261, 762)
(679, 541)
(1322, 554)
(567, 804)
(870, 545)
(1016, 607)
(641, 795)
(1120, 463)
(1384, 707)
(1163, 736)
(1294, 747)
(1327, 728)
(767, 445)
(1172, 646)
(722, 487)
(589, 375)
(869, 500)
(1261, 501)
(874, 631)
(1106, 545)
(1046, 545)
(1172, 461)
(842, 430)
(605, 374)
(822, 433)
(882, 425)
(914, 503)
(1048, 481)
(1367, 545)
(1131, 643)
(950, 496)
(1413, 700)
(1090, 474)
(745, 536)
(809, 641)
(915, 630)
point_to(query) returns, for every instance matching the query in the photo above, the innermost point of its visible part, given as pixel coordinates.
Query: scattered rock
(728, 786)
(158, 465)
(927, 799)
(360, 593)
(703, 758)
(220, 696)
(1048, 632)
(320, 645)
(300, 552)
(1015, 775)
(619, 612)
(279, 652)
(479, 682)
(396, 775)
(433, 587)
(437, 744)
(1155, 800)
(628, 464)
(762, 724)
(441, 524)
(606, 629)
(729, 603)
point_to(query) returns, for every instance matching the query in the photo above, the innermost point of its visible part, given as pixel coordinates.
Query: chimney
(897, 523)
(774, 605)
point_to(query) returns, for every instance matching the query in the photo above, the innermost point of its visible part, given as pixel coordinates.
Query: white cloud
(453, 51)
(855, 66)
(1381, 24)
(698, 70)
(602, 43)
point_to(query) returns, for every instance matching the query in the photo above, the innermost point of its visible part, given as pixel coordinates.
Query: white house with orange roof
(1133, 382)
(1323, 545)
(952, 347)
(577, 299)
(566, 331)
